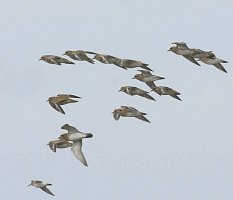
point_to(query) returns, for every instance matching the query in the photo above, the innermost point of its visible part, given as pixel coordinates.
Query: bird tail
(224, 61)
(89, 135)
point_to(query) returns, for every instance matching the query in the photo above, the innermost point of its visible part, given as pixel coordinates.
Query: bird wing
(117, 61)
(145, 72)
(116, 115)
(146, 96)
(181, 45)
(52, 146)
(191, 59)
(141, 117)
(68, 95)
(57, 107)
(77, 151)
(168, 90)
(70, 129)
(176, 97)
(54, 61)
(63, 60)
(151, 84)
(83, 56)
(129, 108)
(45, 189)
(220, 67)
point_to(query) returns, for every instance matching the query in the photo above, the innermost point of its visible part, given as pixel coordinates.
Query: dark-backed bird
(61, 99)
(130, 90)
(80, 55)
(57, 60)
(129, 111)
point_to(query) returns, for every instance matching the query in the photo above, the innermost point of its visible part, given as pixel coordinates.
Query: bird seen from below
(76, 137)
(41, 185)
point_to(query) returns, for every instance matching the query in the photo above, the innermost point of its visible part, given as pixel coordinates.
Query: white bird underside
(77, 151)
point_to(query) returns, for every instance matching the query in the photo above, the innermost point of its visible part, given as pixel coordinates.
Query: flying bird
(41, 185)
(181, 48)
(76, 137)
(163, 90)
(128, 111)
(130, 90)
(51, 59)
(61, 99)
(211, 59)
(107, 59)
(127, 63)
(60, 144)
(80, 55)
(146, 76)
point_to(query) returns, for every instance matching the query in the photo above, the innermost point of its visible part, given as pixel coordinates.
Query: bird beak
(63, 54)
(133, 78)
(29, 184)
(169, 50)
(119, 90)
(47, 100)
(40, 59)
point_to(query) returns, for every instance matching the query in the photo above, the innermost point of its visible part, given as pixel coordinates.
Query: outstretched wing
(220, 67)
(181, 45)
(143, 118)
(151, 84)
(191, 59)
(145, 72)
(57, 107)
(68, 95)
(77, 151)
(45, 189)
(70, 129)
(116, 115)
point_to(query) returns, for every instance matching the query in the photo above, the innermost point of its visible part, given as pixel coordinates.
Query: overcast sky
(187, 150)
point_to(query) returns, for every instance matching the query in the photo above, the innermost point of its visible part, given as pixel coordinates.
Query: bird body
(80, 55)
(182, 49)
(75, 136)
(164, 90)
(128, 111)
(213, 60)
(146, 76)
(127, 63)
(103, 58)
(51, 59)
(61, 99)
(41, 185)
(130, 90)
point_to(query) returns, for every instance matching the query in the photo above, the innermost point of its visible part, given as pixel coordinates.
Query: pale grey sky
(187, 150)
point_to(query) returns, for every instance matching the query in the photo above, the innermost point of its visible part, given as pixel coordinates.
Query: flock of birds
(73, 137)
